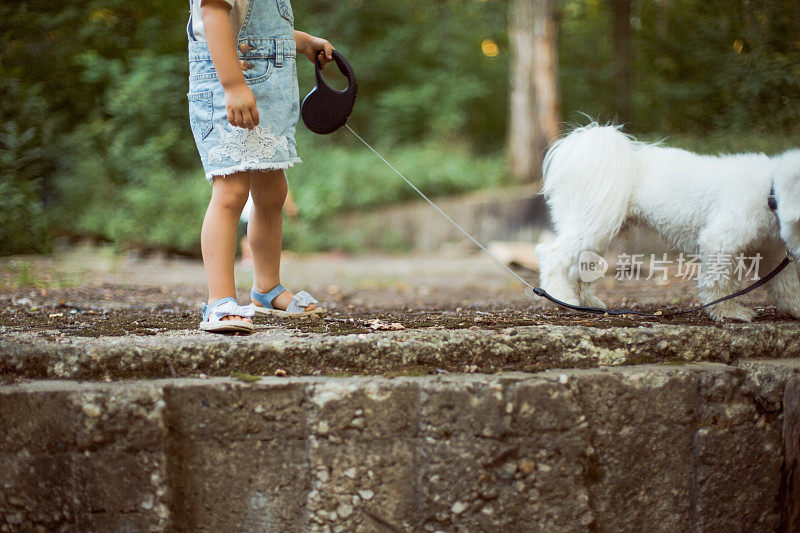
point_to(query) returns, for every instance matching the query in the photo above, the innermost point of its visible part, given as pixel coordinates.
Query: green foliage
(24, 163)
(337, 176)
(136, 172)
(421, 72)
(727, 142)
(698, 66)
(94, 134)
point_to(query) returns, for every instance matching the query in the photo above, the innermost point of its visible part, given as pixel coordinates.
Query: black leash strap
(617, 312)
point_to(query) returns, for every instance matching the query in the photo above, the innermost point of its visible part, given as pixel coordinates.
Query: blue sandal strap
(210, 307)
(265, 299)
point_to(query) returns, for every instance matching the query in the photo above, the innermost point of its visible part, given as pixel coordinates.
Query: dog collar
(771, 201)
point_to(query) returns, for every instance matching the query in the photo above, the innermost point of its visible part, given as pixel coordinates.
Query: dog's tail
(588, 178)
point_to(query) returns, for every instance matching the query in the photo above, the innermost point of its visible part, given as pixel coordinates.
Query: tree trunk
(535, 110)
(622, 59)
(662, 18)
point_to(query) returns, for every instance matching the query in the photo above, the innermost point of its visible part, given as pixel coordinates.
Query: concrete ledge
(698, 447)
(530, 348)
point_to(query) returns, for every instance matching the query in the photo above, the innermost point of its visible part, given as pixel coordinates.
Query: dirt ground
(93, 291)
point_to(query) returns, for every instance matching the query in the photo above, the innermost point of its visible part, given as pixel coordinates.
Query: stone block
(362, 455)
(73, 453)
(791, 448)
(738, 457)
(638, 465)
(238, 456)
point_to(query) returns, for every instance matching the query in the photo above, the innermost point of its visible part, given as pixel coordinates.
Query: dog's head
(786, 179)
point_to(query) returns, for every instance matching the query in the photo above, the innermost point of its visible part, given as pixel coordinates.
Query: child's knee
(231, 195)
(272, 197)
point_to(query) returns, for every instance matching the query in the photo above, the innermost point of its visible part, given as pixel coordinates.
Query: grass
(22, 273)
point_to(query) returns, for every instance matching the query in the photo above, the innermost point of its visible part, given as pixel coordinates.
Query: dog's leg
(556, 261)
(717, 280)
(785, 287)
(588, 297)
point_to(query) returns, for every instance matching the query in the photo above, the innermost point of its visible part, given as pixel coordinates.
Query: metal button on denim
(245, 48)
(245, 65)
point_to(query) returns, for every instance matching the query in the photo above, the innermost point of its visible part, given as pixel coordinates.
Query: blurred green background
(95, 140)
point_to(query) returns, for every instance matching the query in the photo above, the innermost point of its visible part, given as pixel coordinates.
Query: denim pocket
(285, 9)
(201, 113)
(260, 69)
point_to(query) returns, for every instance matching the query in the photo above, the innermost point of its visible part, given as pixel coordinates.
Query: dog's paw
(591, 300)
(732, 311)
(565, 296)
(790, 312)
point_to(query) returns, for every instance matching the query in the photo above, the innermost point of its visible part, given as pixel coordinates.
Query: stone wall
(517, 214)
(700, 447)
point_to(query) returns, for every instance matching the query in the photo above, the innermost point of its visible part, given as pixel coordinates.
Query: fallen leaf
(379, 324)
(247, 378)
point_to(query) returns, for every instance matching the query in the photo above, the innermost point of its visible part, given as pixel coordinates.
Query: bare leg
(218, 236)
(264, 231)
(245, 244)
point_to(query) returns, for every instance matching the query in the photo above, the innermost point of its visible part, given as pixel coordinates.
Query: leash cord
(543, 293)
(445, 215)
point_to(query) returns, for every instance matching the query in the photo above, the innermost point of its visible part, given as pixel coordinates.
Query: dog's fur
(597, 178)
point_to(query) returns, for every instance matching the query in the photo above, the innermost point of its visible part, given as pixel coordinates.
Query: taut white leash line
(445, 215)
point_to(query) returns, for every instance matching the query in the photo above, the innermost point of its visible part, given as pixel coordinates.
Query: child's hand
(314, 47)
(241, 106)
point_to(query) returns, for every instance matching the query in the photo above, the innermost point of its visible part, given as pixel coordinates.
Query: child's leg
(264, 229)
(218, 237)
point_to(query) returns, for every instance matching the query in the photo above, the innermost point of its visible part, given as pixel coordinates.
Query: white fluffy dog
(596, 179)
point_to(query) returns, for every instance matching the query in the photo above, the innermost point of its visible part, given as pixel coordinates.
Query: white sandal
(214, 312)
(297, 307)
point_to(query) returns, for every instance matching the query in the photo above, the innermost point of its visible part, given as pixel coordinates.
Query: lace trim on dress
(251, 149)
(247, 146)
(278, 165)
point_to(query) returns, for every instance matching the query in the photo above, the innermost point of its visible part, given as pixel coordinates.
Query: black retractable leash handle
(325, 109)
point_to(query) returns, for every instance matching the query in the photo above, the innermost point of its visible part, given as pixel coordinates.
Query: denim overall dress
(266, 50)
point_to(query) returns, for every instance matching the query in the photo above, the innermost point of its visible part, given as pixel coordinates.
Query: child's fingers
(328, 49)
(254, 114)
(247, 119)
(238, 117)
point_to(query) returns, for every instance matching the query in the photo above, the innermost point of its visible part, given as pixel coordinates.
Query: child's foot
(219, 317)
(282, 302)
(237, 317)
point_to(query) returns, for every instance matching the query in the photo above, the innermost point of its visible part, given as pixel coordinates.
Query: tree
(622, 57)
(535, 109)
